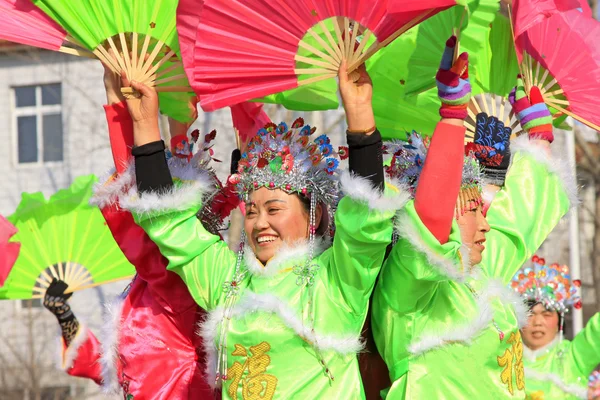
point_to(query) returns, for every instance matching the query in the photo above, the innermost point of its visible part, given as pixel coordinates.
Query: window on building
(39, 130)
(33, 303)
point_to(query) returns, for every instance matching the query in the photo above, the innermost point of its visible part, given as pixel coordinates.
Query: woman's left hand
(356, 98)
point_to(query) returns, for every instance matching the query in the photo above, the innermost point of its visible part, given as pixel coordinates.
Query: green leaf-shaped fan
(431, 36)
(64, 238)
(395, 113)
(404, 96)
(135, 36)
(316, 97)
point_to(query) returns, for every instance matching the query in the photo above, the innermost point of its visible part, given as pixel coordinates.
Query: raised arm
(439, 183)
(585, 348)
(141, 252)
(538, 191)
(167, 211)
(363, 218)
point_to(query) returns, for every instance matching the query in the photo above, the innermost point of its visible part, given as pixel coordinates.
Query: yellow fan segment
(341, 38)
(140, 57)
(73, 274)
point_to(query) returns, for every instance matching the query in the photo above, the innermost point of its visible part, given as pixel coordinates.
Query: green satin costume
(561, 370)
(445, 334)
(272, 350)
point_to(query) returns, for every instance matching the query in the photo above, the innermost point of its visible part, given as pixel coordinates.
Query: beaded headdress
(406, 164)
(282, 157)
(550, 285)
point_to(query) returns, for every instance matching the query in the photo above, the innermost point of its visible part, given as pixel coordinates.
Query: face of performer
(274, 217)
(541, 328)
(473, 228)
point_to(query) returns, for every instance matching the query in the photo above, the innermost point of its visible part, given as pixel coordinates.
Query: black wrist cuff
(148, 149)
(365, 157)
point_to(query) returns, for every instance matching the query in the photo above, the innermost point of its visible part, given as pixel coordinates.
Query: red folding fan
(24, 23)
(247, 49)
(527, 13)
(561, 55)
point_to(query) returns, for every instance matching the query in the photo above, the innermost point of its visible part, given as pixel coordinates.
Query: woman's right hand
(454, 88)
(55, 299)
(143, 111)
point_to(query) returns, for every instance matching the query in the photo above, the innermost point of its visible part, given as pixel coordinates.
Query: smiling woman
(274, 217)
(311, 288)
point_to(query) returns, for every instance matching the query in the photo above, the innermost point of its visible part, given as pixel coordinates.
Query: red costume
(149, 349)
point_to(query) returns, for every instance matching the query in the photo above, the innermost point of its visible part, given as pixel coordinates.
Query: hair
(305, 201)
(533, 303)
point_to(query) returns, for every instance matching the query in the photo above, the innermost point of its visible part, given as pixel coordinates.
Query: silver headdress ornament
(181, 157)
(284, 158)
(406, 165)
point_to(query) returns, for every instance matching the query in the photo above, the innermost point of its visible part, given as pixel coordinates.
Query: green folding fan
(135, 36)
(430, 39)
(64, 238)
(396, 113)
(403, 74)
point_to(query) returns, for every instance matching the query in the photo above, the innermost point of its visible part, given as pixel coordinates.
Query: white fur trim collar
(485, 313)
(69, 355)
(251, 302)
(533, 355)
(569, 388)
(109, 356)
(284, 256)
(107, 190)
(556, 165)
(177, 198)
(406, 229)
(360, 189)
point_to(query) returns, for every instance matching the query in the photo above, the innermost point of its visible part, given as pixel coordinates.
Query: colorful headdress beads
(550, 285)
(284, 158)
(406, 164)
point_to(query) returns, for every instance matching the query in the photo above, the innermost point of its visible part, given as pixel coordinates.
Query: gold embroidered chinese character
(256, 383)
(519, 368)
(512, 360)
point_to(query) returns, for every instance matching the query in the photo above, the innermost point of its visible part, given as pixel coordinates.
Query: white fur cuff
(109, 187)
(556, 165)
(360, 189)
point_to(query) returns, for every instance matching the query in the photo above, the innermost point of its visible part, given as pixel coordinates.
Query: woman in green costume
(442, 319)
(555, 368)
(286, 310)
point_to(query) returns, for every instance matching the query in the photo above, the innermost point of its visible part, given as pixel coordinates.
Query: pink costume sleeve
(120, 131)
(82, 357)
(168, 289)
(439, 184)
